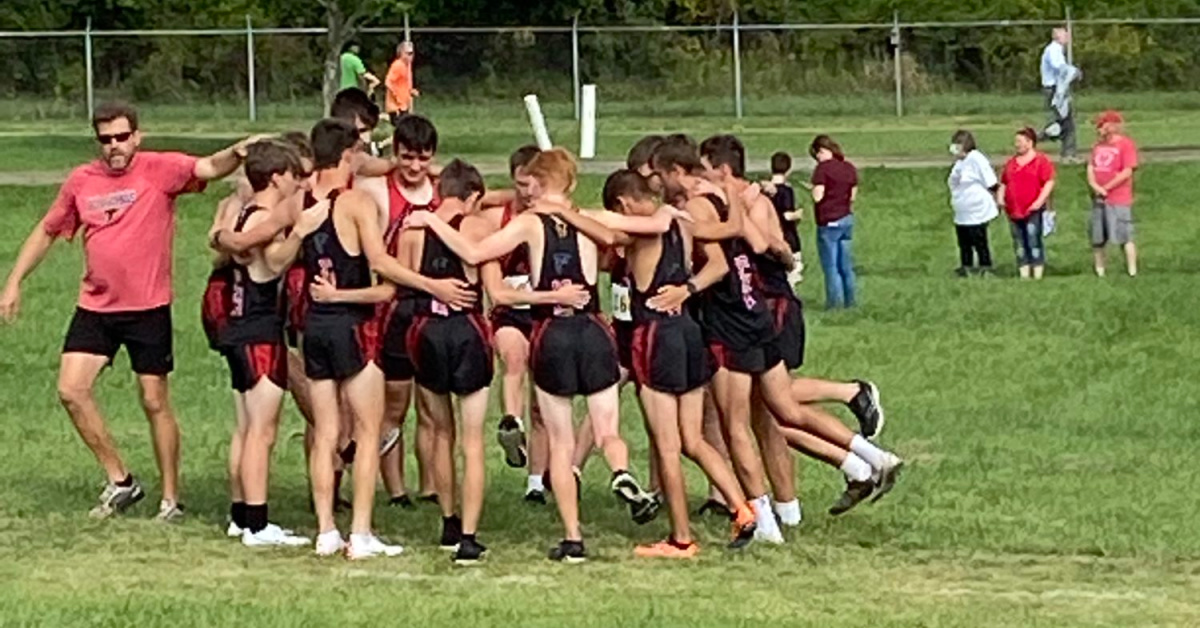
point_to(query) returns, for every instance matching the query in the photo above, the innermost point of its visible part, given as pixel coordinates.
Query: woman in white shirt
(973, 185)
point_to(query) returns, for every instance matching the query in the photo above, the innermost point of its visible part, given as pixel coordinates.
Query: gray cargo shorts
(1111, 224)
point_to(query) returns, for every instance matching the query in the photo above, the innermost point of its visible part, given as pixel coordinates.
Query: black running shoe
(643, 507)
(469, 552)
(535, 496)
(451, 533)
(511, 435)
(431, 498)
(403, 501)
(645, 512)
(867, 409)
(570, 552)
(715, 507)
(855, 494)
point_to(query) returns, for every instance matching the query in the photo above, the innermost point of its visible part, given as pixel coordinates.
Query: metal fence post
(87, 60)
(896, 61)
(407, 30)
(1070, 36)
(737, 67)
(250, 70)
(575, 64)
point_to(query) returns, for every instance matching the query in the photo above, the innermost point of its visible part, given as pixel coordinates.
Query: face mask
(955, 149)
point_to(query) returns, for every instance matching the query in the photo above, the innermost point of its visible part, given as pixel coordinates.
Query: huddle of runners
(358, 283)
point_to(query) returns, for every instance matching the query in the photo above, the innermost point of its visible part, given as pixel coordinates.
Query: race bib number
(621, 310)
(439, 308)
(519, 282)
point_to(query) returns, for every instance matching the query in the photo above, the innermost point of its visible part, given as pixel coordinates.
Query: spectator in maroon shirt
(1025, 187)
(835, 185)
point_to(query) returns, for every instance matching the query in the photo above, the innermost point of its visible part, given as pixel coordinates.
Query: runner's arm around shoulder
(708, 225)
(655, 224)
(494, 246)
(594, 230)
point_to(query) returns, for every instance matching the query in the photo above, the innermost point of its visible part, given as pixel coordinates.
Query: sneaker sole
(449, 548)
(888, 482)
(878, 406)
(104, 511)
(513, 443)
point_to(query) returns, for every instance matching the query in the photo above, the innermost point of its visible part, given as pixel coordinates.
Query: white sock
(874, 456)
(762, 506)
(535, 484)
(360, 539)
(789, 512)
(855, 468)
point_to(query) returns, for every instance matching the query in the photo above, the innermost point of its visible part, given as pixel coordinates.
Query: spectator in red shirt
(835, 185)
(125, 204)
(1025, 188)
(1110, 175)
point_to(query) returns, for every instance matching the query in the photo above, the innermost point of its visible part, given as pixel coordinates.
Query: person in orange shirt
(399, 81)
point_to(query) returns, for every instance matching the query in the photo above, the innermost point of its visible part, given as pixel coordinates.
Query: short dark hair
(521, 158)
(725, 150)
(460, 180)
(115, 110)
(415, 133)
(624, 183)
(781, 162)
(300, 142)
(1029, 133)
(676, 150)
(267, 158)
(641, 152)
(826, 142)
(353, 103)
(965, 139)
(331, 138)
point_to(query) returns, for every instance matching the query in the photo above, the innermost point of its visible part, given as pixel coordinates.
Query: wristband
(691, 288)
(214, 242)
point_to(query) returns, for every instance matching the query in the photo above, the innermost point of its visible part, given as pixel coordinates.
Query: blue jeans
(833, 246)
(1028, 240)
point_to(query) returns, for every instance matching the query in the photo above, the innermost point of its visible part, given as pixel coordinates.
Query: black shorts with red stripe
(339, 346)
(623, 330)
(573, 355)
(251, 362)
(394, 358)
(294, 281)
(215, 306)
(790, 331)
(752, 361)
(519, 319)
(451, 354)
(669, 355)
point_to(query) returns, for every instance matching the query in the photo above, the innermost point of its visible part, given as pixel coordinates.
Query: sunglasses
(106, 139)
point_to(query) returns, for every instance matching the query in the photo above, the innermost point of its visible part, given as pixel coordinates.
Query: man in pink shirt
(125, 204)
(1110, 175)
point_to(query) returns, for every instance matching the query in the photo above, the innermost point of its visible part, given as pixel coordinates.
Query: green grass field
(1048, 428)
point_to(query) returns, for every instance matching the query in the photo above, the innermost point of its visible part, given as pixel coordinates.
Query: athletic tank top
(399, 208)
(256, 310)
(439, 262)
(671, 270)
(324, 254)
(561, 265)
(621, 286)
(515, 265)
(774, 276)
(736, 312)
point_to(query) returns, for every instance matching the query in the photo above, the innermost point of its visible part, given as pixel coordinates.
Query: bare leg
(364, 391)
(262, 411)
(814, 446)
(398, 396)
(603, 411)
(298, 385)
(556, 414)
(733, 400)
(438, 426)
(324, 396)
(539, 443)
(156, 404)
(585, 442)
(696, 446)
(1131, 259)
(812, 390)
(662, 417)
(426, 437)
(474, 412)
(777, 458)
(236, 444)
(715, 438)
(513, 349)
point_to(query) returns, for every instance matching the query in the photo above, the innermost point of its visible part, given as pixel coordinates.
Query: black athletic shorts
(250, 363)
(393, 357)
(789, 327)
(146, 335)
(451, 354)
(339, 347)
(573, 355)
(215, 306)
(623, 330)
(670, 356)
(519, 319)
(753, 361)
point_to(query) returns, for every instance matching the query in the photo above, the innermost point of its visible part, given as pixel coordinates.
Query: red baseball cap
(1112, 116)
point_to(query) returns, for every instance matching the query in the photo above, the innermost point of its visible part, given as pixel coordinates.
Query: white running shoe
(272, 536)
(234, 531)
(369, 546)
(169, 511)
(330, 543)
(769, 535)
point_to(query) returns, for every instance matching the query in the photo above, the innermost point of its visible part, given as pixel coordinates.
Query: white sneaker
(369, 546)
(769, 535)
(272, 536)
(169, 511)
(885, 477)
(330, 543)
(233, 531)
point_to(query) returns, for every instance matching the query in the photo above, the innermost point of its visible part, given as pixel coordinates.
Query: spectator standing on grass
(973, 185)
(783, 197)
(1026, 185)
(1057, 77)
(354, 72)
(399, 83)
(835, 186)
(1110, 175)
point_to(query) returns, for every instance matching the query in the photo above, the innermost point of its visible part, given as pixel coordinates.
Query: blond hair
(555, 169)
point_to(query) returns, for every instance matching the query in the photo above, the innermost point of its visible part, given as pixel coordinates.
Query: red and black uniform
(340, 339)
(252, 339)
(216, 303)
(787, 311)
(515, 268)
(396, 317)
(451, 350)
(737, 321)
(669, 353)
(622, 316)
(573, 352)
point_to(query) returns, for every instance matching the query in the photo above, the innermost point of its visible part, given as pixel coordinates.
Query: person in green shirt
(354, 71)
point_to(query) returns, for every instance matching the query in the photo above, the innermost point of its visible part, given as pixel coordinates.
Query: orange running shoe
(666, 549)
(743, 527)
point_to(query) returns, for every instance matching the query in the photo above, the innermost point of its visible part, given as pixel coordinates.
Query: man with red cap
(1110, 175)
